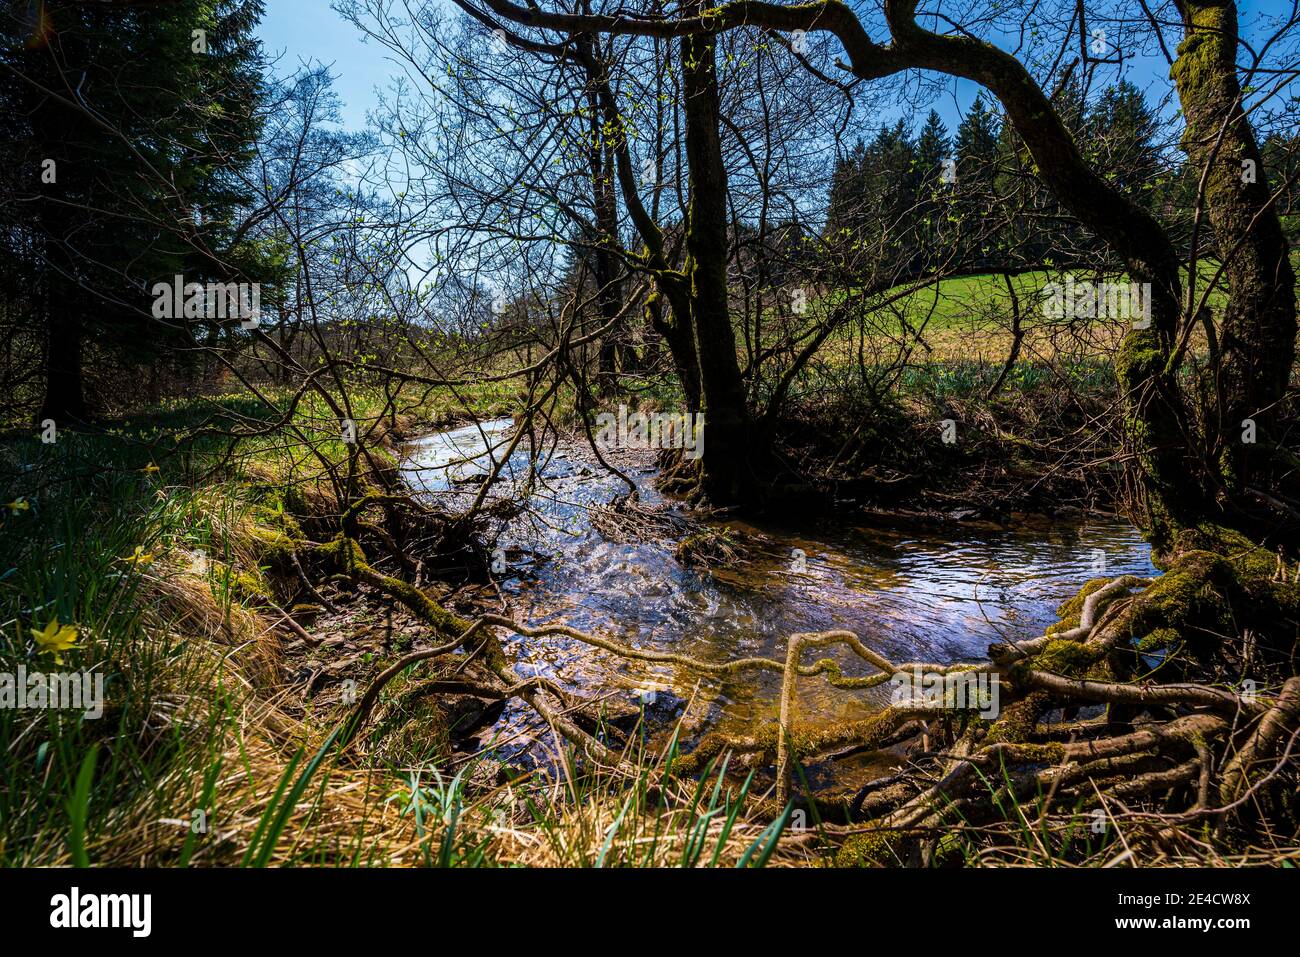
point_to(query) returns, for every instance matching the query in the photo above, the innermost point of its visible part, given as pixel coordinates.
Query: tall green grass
(68, 556)
(100, 524)
(75, 517)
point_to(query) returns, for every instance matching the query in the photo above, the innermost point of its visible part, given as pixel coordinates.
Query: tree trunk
(608, 298)
(64, 400)
(1155, 416)
(1257, 333)
(728, 431)
(56, 223)
(696, 324)
(675, 328)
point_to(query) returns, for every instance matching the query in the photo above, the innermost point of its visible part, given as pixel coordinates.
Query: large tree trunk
(729, 432)
(606, 268)
(57, 223)
(697, 322)
(675, 328)
(64, 400)
(1257, 333)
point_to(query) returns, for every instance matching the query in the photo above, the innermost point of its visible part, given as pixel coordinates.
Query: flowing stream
(937, 592)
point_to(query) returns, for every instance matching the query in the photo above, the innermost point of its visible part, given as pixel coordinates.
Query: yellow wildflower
(139, 557)
(55, 639)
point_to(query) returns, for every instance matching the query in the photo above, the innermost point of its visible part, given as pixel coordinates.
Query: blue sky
(304, 30)
(310, 29)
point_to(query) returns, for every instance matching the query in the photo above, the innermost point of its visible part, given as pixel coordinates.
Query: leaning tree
(1205, 407)
(1187, 442)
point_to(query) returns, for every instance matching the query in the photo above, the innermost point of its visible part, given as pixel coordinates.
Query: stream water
(937, 592)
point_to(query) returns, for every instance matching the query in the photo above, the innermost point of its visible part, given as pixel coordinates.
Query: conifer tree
(129, 124)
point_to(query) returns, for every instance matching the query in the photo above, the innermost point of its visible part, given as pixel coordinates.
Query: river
(934, 591)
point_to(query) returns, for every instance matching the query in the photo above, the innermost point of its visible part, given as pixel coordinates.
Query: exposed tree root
(1261, 746)
(1179, 736)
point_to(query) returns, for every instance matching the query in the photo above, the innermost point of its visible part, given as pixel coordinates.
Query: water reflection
(939, 593)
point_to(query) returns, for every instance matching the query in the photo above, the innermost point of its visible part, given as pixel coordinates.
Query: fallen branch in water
(1159, 738)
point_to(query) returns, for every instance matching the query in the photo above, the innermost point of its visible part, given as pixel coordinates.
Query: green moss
(870, 849)
(1189, 594)
(1074, 606)
(248, 586)
(270, 512)
(1217, 582)
(950, 850)
(1017, 720)
(342, 553)
(1072, 659)
(1051, 753)
(274, 547)
(1070, 611)
(1159, 639)
(1249, 561)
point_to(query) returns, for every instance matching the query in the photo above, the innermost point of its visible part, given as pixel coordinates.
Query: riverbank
(172, 554)
(153, 551)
